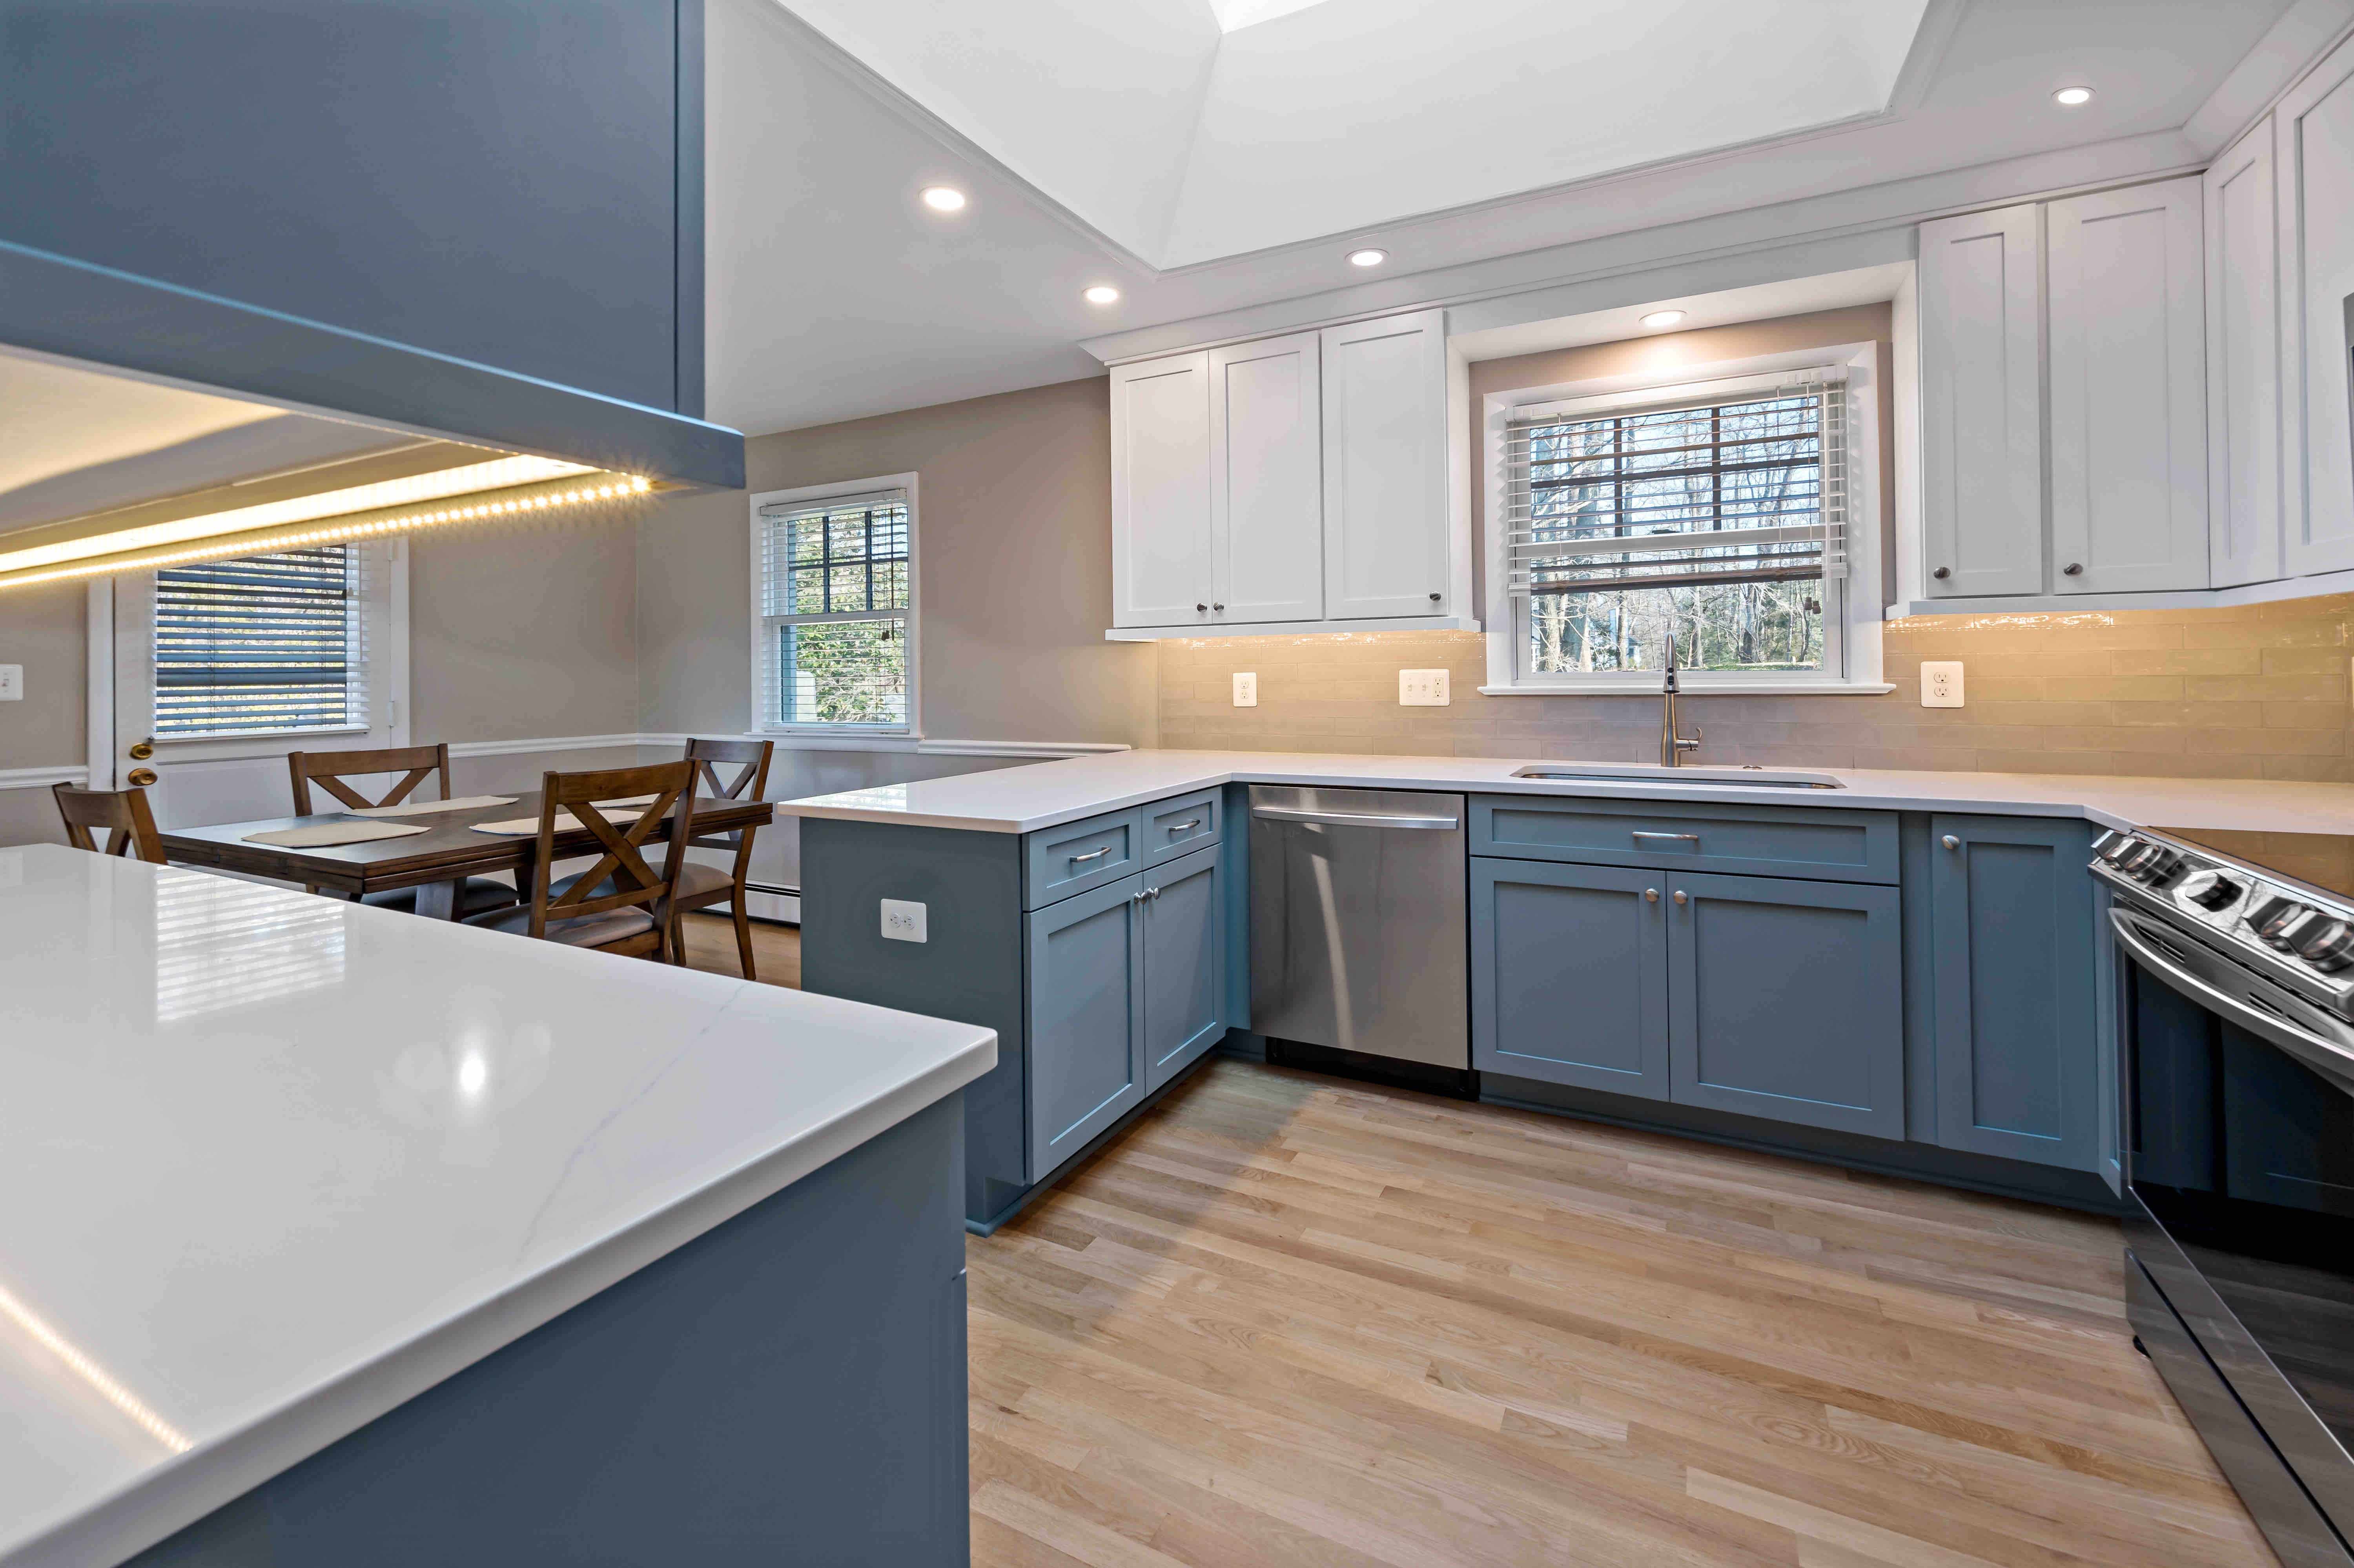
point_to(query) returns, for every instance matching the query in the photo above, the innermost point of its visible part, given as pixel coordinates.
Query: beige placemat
(565, 823)
(423, 807)
(333, 834)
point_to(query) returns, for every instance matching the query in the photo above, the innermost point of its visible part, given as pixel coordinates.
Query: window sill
(843, 739)
(1695, 688)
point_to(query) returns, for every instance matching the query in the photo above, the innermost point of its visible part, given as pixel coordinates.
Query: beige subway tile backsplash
(2257, 692)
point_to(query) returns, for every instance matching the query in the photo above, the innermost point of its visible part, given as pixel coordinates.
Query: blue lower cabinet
(1569, 975)
(1086, 979)
(1184, 963)
(1784, 1001)
(2014, 979)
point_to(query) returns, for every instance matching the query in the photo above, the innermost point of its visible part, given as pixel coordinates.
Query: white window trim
(841, 736)
(1859, 630)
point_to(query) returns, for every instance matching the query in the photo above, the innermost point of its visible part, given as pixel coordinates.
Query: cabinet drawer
(1822, 844)
(1076, 856)
(1180, 826)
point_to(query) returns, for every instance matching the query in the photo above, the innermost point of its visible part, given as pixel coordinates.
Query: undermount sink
(1651, 773)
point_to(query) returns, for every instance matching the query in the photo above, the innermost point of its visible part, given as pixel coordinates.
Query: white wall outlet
(1941, 683)
(12, 682)
(1245, 689)
(903, 921)
(1423, 689)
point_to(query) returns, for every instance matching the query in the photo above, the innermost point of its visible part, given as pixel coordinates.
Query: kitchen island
(337, 1236)
(1901, 972)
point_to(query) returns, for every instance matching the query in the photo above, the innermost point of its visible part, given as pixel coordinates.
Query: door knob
(141, 776)
(1950, 842)
(142, 750)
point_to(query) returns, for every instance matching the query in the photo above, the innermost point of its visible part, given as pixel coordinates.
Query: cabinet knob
(1950, 842)
(1942, 573)
(1218, 606)
(1682, 898)
(1434, 598)
(2074, 569)
(1651, 896)
(1200, 607)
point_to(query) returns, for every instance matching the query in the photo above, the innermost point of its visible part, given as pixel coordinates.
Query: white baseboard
(765, 904)
(42, 778)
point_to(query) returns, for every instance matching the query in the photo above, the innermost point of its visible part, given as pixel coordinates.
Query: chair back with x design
(751, 759)
(328, 769)
(621, 878)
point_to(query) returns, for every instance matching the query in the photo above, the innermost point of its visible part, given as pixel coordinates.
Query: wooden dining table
(433, 861)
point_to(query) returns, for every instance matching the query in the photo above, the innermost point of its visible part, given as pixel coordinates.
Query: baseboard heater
(772, 901)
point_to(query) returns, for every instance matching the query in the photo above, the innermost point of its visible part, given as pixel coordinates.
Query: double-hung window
(835, 611)
(262, 645)
(1721, 514)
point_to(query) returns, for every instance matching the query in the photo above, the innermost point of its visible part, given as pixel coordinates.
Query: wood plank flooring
(1287, 1320)
(1290, 1320)
(776, 949)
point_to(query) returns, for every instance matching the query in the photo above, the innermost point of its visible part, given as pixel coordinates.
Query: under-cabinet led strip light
(516, 501)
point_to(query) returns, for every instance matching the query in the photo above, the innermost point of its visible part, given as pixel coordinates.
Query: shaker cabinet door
(1386, 534)
(1162, 573)
(2129, 388)
(2244, 393)
(1267, 480)
(1982, 403)
(1184, 963)
(2313, 160)
(1086, 963)
(1569, 975)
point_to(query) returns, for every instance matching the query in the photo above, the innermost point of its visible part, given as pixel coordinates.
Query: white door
(2243, 434)
(2128, 368)
(2313, 158)
(1385, 468)
(1981, 403)
(1266, 497)
(1161, 558)
(233, 649)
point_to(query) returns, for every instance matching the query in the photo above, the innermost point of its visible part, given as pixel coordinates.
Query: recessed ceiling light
(1663, 318)
(1102, 294)
(1368, 258)
(2073, 96)
(944, 198)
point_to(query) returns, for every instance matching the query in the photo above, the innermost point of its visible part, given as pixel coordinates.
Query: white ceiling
(1201, 171)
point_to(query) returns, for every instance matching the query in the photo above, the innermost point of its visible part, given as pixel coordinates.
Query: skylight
(1234, 14)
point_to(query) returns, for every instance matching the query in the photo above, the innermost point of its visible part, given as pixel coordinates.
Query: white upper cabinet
(1161, 561)
(1981, 403)
(2129, 388)
(1294, 481)
(2243, 434)
(1267, 480)
(1385, 468)
(2314, 157)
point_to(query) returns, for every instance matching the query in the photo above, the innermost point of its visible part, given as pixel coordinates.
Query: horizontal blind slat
(264, 643)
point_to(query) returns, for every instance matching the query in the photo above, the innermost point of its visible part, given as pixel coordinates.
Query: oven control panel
(2296, 933)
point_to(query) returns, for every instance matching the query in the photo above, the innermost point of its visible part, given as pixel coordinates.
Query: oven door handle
(2323, 1055)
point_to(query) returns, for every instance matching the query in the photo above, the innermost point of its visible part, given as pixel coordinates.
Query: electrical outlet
(1423, 689)
(1245, 689)
(12, 682)
(903, 921)
(1941, 683)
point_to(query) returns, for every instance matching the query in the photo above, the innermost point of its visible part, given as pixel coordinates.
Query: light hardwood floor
(776, 949)
(1290, 1320)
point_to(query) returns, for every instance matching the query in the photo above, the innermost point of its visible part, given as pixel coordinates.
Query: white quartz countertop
(1044, 794)
(274, 1164)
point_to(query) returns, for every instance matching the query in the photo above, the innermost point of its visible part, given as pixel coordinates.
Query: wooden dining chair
(620, 904)
(701, 886)
(416, 764)
(124, 812)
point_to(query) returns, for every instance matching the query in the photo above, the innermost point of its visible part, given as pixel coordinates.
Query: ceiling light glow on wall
(944, 198)
(1102, 294)
(1368, 258)
(2073, 96)
(1662, 319)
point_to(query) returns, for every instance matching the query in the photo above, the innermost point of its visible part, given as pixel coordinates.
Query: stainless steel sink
(1694, 777)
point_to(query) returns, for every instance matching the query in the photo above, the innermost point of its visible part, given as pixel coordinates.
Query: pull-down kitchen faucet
(1672, 746)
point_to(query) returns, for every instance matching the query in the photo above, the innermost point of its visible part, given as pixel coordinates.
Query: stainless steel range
(2237, 996)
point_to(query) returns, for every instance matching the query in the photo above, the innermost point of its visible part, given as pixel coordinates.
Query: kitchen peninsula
(1898, 972)
(341, 1236)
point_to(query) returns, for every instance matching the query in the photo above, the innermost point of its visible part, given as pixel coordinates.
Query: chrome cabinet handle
(1685, 838)
(1092, 854)
(1950, 842)
(1683, 897)
(1651, 896)
(1184, 827)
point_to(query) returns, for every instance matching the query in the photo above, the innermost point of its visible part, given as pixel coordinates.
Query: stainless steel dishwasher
(1357, 909)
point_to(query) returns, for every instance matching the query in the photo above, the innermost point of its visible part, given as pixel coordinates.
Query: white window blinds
(266, 643)
(835, 601)
(1747, 488)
